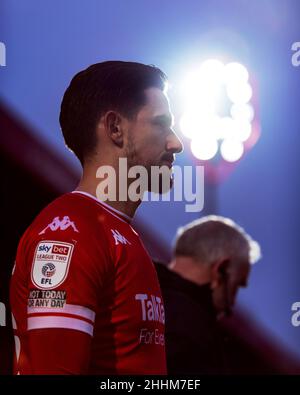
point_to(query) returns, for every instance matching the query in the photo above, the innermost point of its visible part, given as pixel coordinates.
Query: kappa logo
(118, 237)
(63, 224)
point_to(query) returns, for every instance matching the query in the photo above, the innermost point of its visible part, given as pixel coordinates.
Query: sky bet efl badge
(51, 264)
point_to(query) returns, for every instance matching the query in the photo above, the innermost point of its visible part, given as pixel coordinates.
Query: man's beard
(165, 181)
(158, 181)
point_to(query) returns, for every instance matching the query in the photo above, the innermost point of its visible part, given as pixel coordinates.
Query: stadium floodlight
(214, 85)
(194, 125)
(204, 148)
(239, 93)
(231, 150)
(235, 73)
(242, 112)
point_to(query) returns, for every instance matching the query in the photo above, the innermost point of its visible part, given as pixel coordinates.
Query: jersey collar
(107, 207)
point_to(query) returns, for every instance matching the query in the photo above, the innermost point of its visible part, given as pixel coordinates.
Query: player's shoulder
(72, 202)
(78, 216)
(70, 213)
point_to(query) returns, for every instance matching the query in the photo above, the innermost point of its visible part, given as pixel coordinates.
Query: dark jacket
(194, 344)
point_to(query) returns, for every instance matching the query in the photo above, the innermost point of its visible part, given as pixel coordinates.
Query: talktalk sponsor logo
(152, 307)
(58, 249)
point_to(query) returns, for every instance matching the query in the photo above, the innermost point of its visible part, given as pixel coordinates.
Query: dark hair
(111, 85)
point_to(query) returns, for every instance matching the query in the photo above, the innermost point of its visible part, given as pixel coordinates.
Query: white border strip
(59, 322)
(81, 311)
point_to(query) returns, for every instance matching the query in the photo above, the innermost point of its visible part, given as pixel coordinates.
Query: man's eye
(163, 125)
(159, 123)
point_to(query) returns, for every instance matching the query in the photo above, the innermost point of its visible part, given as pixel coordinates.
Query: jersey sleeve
(68, 270)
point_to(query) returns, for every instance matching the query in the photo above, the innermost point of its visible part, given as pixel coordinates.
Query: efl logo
(2, 54)
(49, 271)
(56, 249)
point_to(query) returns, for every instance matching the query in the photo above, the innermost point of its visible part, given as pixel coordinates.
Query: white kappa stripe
(81, 311)
(59, 322)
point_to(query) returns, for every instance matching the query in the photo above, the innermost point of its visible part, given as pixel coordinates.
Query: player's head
(220, 253)
(122, 106)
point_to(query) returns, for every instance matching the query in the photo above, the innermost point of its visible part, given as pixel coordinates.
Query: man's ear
(114, 127)
(219, 272)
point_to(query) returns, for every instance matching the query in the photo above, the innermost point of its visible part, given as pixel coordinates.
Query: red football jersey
(80, 266)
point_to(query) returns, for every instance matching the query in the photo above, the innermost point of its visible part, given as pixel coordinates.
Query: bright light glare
(237, 129)
(203, 90)
(235, 73)
(232, 150)
(190, 125)
(212, 70)
(226, 128)
(242, 112)
(202, 87)
(195, 125)
(204, 148)
(239, 93)
(242, 129)
(202, 99)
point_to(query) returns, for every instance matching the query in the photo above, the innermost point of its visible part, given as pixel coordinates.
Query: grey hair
(209, 238)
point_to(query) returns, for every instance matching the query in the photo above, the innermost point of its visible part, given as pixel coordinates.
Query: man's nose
(174, 144)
